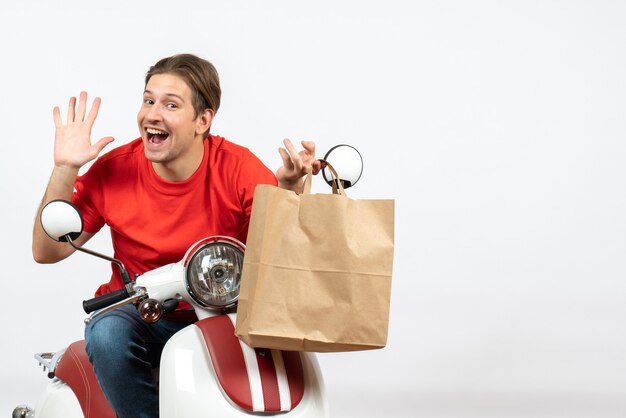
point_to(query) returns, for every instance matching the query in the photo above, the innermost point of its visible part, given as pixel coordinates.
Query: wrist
(62, 180)
(295, 186)
(64, 170)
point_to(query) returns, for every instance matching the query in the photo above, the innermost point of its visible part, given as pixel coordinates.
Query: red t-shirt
(153, 221)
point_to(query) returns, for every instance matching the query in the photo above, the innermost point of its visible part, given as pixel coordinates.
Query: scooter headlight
(213, 271)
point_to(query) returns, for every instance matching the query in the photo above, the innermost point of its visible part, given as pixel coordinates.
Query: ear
(204, 121)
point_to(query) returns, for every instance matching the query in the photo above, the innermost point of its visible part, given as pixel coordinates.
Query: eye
(148, 101)
(171, 106)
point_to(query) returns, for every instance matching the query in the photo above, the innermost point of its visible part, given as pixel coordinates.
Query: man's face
(169, 129)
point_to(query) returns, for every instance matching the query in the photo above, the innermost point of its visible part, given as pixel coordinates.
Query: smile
(156, 136)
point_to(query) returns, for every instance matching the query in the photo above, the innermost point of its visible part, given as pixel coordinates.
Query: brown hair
(199, 74)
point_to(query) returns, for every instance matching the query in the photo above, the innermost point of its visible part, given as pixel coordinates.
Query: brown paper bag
(317, 272)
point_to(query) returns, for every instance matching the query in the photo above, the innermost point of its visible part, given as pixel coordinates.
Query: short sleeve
(87, 198)
(252, 173)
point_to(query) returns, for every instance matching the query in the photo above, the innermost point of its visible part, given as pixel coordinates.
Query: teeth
(156, 131)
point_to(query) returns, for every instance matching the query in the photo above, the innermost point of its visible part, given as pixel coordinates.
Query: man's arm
(295, 165)
(72, 150)
(45, 249)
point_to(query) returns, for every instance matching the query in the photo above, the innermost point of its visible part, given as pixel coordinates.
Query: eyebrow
(166, 94)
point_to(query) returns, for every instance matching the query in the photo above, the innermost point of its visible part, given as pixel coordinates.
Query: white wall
(497, 126)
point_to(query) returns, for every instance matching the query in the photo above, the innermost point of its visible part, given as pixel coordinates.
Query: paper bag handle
(336, 182)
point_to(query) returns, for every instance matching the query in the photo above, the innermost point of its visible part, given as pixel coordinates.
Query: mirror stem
(123, 271)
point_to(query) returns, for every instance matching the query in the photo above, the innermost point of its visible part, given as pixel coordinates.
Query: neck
(182, 167)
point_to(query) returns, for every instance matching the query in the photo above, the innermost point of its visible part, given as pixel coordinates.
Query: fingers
(56, 115)
(71, 110)
(293, 153)
(309, 146)
(299, 161)
(93, 112)
(287, 163)
(317, 165)
(77, 115)
(82, 107)
(290, 156)
(103, 142)
(309, 151)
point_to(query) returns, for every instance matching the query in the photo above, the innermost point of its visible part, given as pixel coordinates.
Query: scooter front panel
(189, 385)
(257, 380)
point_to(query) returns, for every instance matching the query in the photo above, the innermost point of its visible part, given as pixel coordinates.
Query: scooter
(205, 370)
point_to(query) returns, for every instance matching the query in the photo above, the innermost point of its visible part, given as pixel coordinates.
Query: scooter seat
(75, 369)
(257, 380)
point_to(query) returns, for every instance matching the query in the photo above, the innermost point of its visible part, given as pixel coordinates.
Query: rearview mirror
(347, 161)
(60, 220)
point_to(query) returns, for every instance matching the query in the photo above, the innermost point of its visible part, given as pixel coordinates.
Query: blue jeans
(123, 350)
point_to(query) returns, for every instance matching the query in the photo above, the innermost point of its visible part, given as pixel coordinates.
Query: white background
(498, 127)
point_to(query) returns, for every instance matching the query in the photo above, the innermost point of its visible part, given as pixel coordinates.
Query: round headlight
(213, 271)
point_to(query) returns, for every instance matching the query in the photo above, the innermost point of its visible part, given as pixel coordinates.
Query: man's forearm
(60, 186)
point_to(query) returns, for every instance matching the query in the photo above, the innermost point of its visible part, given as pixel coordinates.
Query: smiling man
(158, 194)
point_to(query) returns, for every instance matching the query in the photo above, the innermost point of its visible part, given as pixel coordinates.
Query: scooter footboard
(207, 371)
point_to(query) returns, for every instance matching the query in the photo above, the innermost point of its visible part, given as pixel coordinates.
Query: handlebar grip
(103, 301)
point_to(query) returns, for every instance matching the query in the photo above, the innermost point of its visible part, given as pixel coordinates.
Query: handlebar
(103, 301)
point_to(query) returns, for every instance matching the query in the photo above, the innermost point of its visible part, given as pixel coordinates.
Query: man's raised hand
(72, 140)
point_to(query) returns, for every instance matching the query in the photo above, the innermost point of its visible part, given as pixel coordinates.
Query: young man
(159, 193)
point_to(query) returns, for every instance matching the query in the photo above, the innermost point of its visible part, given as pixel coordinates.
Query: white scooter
(205, 370)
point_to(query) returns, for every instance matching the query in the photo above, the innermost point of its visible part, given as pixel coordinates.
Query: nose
(153, 113)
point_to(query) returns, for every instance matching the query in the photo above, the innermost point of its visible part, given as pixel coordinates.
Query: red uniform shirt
(153, 221)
